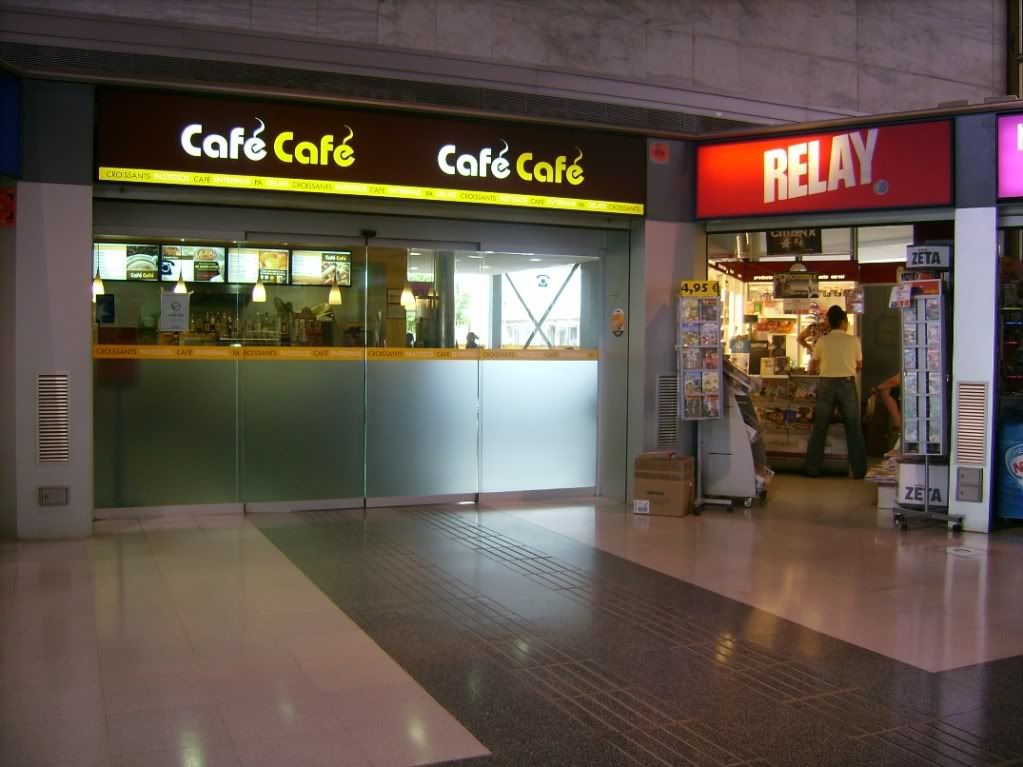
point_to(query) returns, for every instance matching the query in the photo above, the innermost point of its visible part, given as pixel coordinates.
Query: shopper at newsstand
(837, 357)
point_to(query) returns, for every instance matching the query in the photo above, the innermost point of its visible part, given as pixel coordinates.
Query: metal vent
(667, 411)
(59, 60)
(53, 418)
(971, 423)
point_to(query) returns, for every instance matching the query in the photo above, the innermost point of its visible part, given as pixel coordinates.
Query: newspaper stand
(730, 456)
(923, 299)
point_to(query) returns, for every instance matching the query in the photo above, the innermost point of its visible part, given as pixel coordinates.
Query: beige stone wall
(842, 55)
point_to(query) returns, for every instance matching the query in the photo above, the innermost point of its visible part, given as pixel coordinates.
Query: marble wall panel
(465, 27)
(669, 56)
(109, 7)
(353, 21)
(773, 75)
(621, 48)
(517, 37)
(929, 38)
(718, 18)
(826, 28)
(231, 14)
(889, 90)
(407, 24)
(572, 43)
(289, 17)
(834, 84)
(671, 15)
(618, 10)
(716, 65)
(155, 10)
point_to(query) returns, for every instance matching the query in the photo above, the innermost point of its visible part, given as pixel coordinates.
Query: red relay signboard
(884, 166)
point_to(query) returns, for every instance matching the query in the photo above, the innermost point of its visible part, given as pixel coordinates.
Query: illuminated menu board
(250, 264)
(316, 267)
(195, 263)
(120, 261)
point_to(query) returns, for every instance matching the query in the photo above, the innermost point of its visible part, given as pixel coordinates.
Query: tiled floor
(818, 555)
(548, 634)
(195, 642)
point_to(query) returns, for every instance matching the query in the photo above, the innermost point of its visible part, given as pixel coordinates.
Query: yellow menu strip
(147, 352)
(364, 189)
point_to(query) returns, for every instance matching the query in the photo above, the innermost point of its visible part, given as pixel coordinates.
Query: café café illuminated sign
(886, 166)
(277, 146)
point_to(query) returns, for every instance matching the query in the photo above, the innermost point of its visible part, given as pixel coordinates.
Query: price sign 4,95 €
(699, 289)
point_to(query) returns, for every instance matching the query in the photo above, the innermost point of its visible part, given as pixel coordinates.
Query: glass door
(422, 391)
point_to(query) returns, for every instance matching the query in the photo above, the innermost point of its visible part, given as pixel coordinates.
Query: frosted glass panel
(538, 425)
(302, 430)
(421, 428)
(164, 433)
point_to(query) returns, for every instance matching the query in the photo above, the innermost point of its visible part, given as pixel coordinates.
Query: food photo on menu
(141, 262)
(273, 266)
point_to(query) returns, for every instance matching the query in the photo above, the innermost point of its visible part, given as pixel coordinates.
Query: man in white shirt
(837, 357)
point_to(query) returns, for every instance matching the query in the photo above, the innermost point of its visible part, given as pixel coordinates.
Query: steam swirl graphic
(579, 157)
(348, 138)
(262, 128)
(504, 151)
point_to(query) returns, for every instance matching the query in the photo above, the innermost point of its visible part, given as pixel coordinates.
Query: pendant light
(180, 286)
(97, 286)
(334, 297)
(407, 299)
(259, 292)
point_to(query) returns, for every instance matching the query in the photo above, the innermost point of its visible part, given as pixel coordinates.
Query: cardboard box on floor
(667, 481)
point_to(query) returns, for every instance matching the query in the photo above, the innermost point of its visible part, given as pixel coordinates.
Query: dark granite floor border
(553, 652)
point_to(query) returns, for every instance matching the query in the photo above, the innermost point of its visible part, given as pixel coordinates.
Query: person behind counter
(837, 357)
(812, 333)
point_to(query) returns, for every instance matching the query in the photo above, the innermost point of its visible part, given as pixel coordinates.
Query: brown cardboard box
(667, 481)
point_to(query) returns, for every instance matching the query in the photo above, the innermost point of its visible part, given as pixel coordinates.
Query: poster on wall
(174, 312)
(793, 242)
(796, 285)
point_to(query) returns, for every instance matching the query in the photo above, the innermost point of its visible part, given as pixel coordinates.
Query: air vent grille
(667, 411)
(59, 60)
(971, 423)
(53, 418)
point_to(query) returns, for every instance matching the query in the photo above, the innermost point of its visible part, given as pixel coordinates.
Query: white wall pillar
(974, 339)
(53, 334)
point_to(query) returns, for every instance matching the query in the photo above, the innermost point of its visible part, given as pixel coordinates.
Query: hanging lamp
(97, 286)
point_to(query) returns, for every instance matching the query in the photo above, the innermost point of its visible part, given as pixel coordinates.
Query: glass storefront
(425, 373)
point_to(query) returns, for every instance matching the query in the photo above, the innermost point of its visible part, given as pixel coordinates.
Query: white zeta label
(928, 257)
(795, 170)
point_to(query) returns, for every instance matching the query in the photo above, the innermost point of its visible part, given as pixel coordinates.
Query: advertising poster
(316, 267)
(174, 312)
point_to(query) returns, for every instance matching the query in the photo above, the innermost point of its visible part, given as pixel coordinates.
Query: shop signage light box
(234, 143)
(1010, 156)
(906, 165)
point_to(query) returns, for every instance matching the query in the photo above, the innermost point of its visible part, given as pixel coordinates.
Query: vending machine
(1009, 454)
